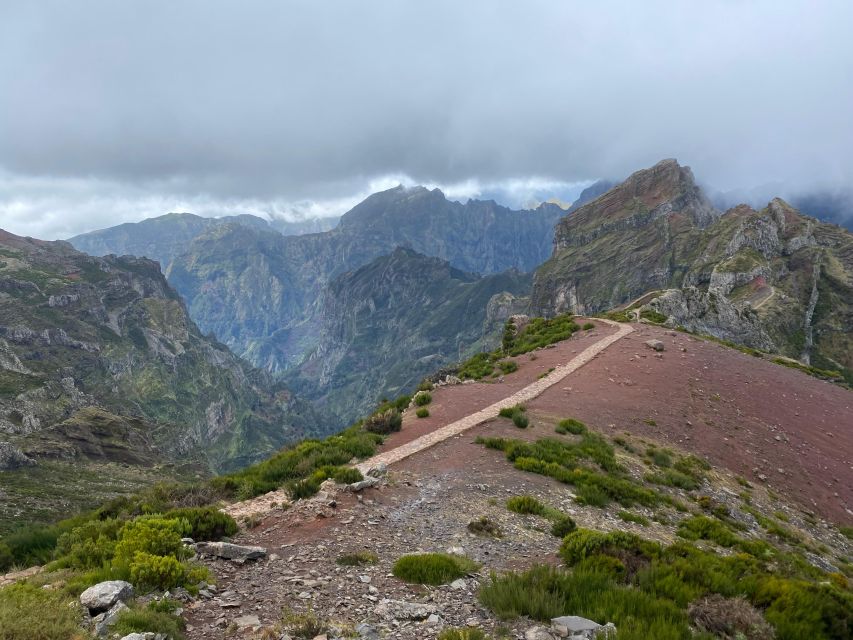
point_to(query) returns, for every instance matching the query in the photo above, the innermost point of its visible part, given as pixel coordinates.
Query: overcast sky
(115, 111)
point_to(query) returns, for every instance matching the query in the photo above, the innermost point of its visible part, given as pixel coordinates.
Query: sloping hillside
(388, 324)
(100, 361)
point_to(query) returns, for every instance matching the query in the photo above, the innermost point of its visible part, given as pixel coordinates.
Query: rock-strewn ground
(428, 499)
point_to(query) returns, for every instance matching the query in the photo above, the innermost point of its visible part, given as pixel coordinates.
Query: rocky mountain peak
(666, 189)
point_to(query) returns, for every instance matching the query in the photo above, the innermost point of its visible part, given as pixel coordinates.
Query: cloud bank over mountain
(117, 111)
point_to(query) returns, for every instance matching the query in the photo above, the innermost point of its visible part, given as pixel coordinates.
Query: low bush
(357, 559)
(540, 332)
(485, 528)
(27, 612)
(463, 633)
(478, 366)
(432, 568)
(570, 425)
(563, 526)
(422, 412)
(653, 316)
(520, 420)
(508, 366)
(526, 505)
(583, 543)
(384, 423)
(703, 528)
(151, 619)
(422, 398)
(302, 489)
(206, 523)
(729, 618)
(149, 572)
(587, 326)
(543, 593)
(509, 412)
(627, 516)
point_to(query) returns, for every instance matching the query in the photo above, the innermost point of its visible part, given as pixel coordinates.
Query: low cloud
(112, 111)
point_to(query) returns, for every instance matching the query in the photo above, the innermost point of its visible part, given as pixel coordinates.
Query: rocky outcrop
(12, 458)
(771, 279)
(100, 362)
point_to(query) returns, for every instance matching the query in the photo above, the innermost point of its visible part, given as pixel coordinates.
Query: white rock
(104, 595)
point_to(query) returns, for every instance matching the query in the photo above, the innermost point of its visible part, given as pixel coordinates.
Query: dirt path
(526, 394)
(417, 435)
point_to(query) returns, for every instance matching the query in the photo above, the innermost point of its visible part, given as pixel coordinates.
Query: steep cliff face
(259, 293)
(771, 279)
(78, 333)
(391, 322)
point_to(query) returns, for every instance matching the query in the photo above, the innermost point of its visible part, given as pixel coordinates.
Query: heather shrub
(432, 568)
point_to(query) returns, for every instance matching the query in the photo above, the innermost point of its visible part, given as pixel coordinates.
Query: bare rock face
(772, 279)
(104, 595)
(13, 458)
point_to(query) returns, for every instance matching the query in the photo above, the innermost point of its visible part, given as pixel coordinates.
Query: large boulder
(230, 551)
(103, 622)
(104, 595)
(12, 458)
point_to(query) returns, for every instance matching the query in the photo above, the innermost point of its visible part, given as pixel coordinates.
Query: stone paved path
(269, 501)
(526, 394)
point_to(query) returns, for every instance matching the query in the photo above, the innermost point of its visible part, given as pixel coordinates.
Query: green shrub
(700, 527)
(478, 366)
(627, 516)
(432, 568)
(357, 559)
(543, 593)
(302, 489)
(385, 422)
(509, 412)
(152, 535)
(463, 633)
(33, 545)
(422, 412)
(89, 546)
(653, 316)
(426, 385)
(672, 478)
(30, 613)
(423, 398)
(592, 495)
(150, 619)
(587, 326)
(508, 366)
(583, 543)
(346, 475)
(149, 572)
(661, 458)
(520, 420)
(563, 526)
(540, 332)
(570, 425)
(206, 523)
(485, 528)
(526, 505)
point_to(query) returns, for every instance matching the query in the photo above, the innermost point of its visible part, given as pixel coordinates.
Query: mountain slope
(771, 279)
(388, 324)
(164, 237)
(259, 293)
(99, 360)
